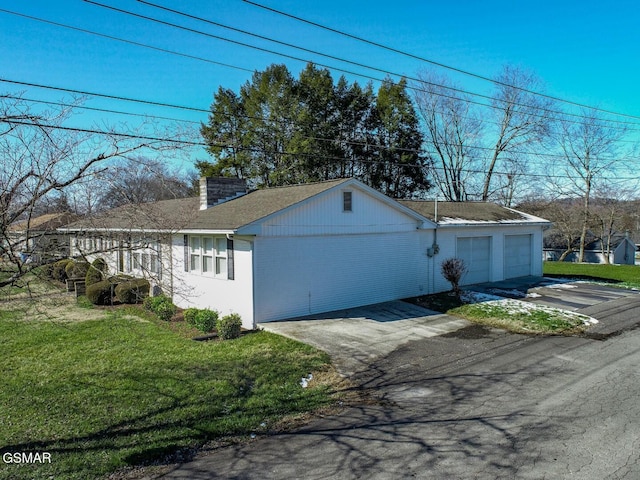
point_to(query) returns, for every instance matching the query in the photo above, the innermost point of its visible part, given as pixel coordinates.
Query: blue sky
(584, 51)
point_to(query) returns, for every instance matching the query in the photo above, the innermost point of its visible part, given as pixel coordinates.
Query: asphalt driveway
(356, 337)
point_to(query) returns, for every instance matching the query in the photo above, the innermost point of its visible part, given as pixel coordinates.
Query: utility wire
(433, 62)
(350, 72)
(412, 87)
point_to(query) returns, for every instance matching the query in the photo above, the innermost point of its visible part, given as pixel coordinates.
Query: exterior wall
(447, 240)
(298, 276)
(199, 290)
(108, 249)
(324, 215)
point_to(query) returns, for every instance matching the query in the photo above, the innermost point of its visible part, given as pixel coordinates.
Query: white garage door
(476, 253)
(517, 256)
(307, 275)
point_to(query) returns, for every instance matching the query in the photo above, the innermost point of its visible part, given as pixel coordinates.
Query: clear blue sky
(585, 51)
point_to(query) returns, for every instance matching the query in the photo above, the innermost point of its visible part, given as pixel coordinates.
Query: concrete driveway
(356, 337)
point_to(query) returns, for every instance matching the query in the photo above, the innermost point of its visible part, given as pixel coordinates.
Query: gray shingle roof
(185, 213)
(468, 212)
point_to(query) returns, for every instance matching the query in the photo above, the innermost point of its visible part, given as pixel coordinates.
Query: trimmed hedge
(77, 269)
(229, 326)
(100, 293)
(132, 291)
(96, 271)
(58, 271)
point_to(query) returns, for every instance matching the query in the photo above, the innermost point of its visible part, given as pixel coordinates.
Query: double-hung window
(209, 255)
(195, 254)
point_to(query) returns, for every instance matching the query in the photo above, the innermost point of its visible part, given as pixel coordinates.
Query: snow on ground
(512, 306)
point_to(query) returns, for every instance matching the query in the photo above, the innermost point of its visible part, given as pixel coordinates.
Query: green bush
(96, 271)
(59, 269)
(190, 315)
(100, 293)
(77, 269)
(206, 320)
(132, 291)
(229, 326)
(46, 270)
(162, 306)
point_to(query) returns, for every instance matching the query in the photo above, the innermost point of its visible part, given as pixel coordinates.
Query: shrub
(59, 269)
(77, 269)
(206, 320)
(47, 270)
(190, 315)
(100, 293)
(162, 306)
(452, 270)
(229, 326)
(96, 271)
(132, 291)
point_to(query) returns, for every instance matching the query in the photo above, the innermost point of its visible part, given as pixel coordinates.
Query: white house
(292, 251)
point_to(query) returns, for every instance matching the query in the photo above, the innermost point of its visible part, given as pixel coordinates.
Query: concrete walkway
(356, 337)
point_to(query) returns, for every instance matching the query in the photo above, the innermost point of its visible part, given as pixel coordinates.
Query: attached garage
(476, 253)
(517, 256)
(325, 273)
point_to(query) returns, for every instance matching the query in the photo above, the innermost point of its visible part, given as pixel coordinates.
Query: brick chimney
(215, 190)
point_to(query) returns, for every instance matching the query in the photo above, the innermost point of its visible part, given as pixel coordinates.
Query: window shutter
(230, 266)
(186, 253)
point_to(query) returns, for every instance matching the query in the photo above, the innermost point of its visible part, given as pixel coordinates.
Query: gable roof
(256, 205)
(44, 223)
(162, 215)
(464, 213)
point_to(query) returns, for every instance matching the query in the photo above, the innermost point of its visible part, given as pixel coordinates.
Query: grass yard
(625, 275)
(100, 390)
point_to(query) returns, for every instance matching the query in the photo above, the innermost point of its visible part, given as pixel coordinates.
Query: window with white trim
(347, 201)
(208, 255)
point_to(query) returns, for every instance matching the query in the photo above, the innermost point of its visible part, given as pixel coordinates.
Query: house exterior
(292, 251)
(622, 251)
(37, 239)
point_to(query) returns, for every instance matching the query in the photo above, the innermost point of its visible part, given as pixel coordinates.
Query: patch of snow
(304, 381)
(565, 286)
(477, 297)
(533, 295)
(516, 306)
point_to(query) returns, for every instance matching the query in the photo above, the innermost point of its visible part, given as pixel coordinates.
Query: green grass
(551, 321)
(625, 275)
(103, 394)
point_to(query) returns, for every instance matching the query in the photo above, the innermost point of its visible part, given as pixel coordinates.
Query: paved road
(474, 403)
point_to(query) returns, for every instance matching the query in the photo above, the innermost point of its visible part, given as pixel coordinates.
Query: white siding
(194, 289)
(297, 276)
(324, 215)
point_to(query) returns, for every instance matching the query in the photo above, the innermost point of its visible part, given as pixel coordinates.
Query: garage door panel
(517, 256)
(476, 254)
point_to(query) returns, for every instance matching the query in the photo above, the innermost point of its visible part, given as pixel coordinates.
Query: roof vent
(216, 190)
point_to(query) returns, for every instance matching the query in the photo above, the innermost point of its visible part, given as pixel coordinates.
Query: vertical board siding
(297, 276)
(325, 215)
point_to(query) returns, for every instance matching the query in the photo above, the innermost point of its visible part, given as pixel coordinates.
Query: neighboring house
(292, 251)
(622, 251)
(38, 239)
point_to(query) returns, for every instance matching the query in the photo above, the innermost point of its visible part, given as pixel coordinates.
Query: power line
(369, 77)
(433, 62)
(412, 87)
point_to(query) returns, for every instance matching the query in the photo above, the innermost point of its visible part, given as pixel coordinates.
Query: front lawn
(105, 389)
(627, 275)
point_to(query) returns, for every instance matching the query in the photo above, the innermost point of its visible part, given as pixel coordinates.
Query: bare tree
(590, 148)
(452, 133)
(522, 117)
(41, 159)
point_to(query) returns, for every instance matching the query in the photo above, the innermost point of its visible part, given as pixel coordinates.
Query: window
(195, 254)
(209, 255)
(347, 201)
(221, 256)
